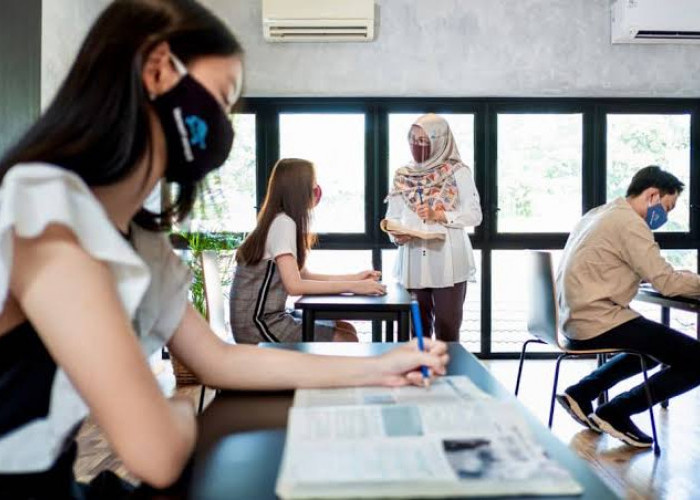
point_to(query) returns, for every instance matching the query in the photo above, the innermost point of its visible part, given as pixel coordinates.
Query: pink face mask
(420, 152)
(317, 194)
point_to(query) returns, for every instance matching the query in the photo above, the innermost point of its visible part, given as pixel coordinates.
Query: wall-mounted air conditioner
(318, 20)
(655, 21)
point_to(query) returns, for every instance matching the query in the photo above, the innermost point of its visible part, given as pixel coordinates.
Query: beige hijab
(434, 178)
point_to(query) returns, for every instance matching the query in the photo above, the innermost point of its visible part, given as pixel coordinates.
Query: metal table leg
(376, 331)
(389, 335)
(403, 321)
(666, 321)
(308, 320)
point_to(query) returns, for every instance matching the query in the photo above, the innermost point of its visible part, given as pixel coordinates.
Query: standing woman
(435, 192)
(89, 284)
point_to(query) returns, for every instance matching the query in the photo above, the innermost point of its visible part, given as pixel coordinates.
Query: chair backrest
(543, 312)
(213, 294)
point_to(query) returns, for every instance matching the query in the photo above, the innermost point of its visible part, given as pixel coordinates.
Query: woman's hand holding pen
(402, 366)
(428, 214)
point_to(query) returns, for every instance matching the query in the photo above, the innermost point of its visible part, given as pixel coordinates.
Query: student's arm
(362, 275)
(71, 300)
(295, 284)
(247, 367)
(469, 214)
(642, 253)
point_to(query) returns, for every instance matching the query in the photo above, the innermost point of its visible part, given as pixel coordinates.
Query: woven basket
(183, 375)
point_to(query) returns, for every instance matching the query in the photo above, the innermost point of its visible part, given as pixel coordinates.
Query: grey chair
(214, 299)
(543, 321)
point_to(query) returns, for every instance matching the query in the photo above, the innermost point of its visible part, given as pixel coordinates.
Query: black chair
(543, 321)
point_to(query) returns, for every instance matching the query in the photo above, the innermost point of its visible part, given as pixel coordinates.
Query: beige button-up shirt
(609, 252)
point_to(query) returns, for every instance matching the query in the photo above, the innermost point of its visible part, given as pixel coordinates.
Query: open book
(451, 440)
(395, 227)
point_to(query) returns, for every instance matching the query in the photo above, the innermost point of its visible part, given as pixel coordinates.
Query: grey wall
(20, 67)
(64, 25)
(468, 48)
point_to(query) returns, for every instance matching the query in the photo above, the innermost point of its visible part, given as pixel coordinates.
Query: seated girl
(271, 265)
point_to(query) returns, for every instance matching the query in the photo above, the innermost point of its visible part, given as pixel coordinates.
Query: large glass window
(686, 260)
(635, 141)
(539, 172)
(339, 261)
(335, 143)
(510, 293)
(343, 262)
(226, 201)
(537, 184)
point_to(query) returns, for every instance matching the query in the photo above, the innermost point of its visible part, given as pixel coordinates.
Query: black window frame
(485, 238)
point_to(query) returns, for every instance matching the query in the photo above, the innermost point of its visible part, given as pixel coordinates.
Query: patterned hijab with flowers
(433, 178)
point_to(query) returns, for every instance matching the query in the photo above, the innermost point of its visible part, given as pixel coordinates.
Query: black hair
(97, 125)
(654, 176)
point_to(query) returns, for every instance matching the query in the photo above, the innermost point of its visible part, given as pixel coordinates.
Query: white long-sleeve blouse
(439, 263)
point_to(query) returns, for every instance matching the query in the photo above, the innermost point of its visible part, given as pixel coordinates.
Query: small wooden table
(394, 306)
(241, 434)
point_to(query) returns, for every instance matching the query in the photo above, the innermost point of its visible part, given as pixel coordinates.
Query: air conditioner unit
(655, 21)
(318, 20)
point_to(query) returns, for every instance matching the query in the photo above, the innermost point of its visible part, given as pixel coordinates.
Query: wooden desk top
(242, 433)
(396, 299)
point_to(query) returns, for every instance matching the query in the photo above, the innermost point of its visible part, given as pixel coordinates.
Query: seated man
(609, 252)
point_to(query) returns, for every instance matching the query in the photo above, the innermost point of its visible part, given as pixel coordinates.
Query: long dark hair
(97, 125)
(290, 190)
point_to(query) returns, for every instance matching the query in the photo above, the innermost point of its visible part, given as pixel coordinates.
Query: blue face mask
(656, 216)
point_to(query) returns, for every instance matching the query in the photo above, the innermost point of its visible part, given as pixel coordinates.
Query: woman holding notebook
(435, 193)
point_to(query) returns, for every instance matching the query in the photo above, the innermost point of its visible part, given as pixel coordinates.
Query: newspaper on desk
(449, 440)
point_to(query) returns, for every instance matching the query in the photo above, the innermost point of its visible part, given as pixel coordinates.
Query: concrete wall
(64, 25)
(468, 48)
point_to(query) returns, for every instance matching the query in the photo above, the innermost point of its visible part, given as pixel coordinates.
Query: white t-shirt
(281, 237)
(438, 263)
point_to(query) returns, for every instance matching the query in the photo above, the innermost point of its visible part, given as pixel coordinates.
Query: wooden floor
(632, 474)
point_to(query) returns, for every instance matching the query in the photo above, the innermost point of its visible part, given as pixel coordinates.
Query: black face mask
(198, 134)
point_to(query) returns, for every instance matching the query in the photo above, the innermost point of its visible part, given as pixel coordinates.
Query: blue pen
(420, 197)
(418, 328)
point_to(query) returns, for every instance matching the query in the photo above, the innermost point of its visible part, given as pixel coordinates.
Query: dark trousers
(660, 344)
(441, 310)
